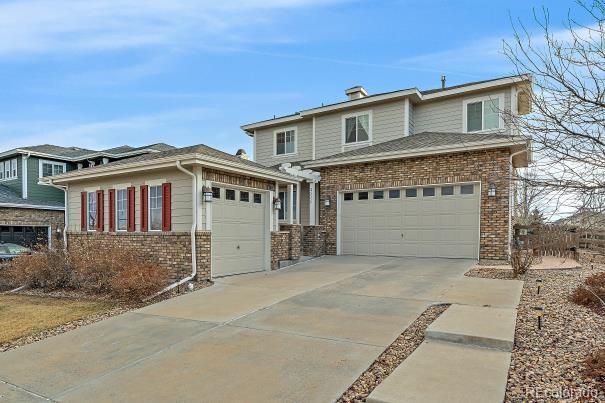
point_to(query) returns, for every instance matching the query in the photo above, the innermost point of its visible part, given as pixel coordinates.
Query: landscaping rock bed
(547, 364)
(120, 308)
(491, 272)
(394, 355)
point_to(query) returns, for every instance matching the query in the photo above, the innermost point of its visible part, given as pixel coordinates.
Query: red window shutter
(112, 210)
(130, 211)
(100, 211)
(83, 205)
(166, 207)
(144, 210)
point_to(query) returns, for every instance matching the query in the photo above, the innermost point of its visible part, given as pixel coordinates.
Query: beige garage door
(432, 221)
(239, 231)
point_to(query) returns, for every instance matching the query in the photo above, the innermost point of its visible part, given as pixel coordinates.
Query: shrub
(591, 293)
(49, 269)
(594, 365)
(137, 281)
(521, 258)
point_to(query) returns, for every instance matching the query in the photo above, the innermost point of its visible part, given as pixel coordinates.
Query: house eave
(32, 206)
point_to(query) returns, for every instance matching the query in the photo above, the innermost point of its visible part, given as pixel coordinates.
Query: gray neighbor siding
(15, 184)
(38, 192)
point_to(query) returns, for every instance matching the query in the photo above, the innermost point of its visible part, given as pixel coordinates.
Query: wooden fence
(558, 240)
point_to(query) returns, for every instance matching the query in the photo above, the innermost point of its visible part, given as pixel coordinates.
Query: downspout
(193, 232)
(510, 198)
(65, 212)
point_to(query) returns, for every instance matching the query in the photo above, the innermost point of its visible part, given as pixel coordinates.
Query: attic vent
(356, 92)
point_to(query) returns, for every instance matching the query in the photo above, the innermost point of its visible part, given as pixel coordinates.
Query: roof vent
(442, 81)
(241, 153)
(356, 92)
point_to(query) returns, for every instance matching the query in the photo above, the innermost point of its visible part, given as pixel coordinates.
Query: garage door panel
(431, 226)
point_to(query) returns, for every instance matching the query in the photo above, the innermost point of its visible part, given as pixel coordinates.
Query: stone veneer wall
(168, 250)
(295, 231)
(487, 166)
(34, 217)
(280, 247)
(314, 240)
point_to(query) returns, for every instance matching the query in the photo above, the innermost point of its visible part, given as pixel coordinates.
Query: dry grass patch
(24, 315)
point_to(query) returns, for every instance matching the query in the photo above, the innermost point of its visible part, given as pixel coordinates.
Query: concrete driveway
(304, 333)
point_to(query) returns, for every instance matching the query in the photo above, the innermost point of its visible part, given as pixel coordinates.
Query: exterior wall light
(207, 194)
(327, 202)
(491, 190)
(277, 203)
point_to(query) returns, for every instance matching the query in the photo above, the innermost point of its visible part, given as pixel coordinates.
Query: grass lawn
(22, 315)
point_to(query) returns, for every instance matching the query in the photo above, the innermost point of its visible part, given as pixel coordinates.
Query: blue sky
(98, 74)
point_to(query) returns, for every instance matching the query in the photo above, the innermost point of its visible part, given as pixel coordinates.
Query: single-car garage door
(431, 221)
(239, 231)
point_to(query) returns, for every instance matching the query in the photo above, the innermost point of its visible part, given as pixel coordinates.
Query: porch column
(312, 203)
(298, 203)
(290, 204)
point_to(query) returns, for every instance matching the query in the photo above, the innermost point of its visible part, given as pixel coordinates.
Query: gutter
(193, 232)
(66, 213)
(510, 182)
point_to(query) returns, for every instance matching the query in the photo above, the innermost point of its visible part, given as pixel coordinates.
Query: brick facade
(314, 240)
(168, 250)
(280, 247)
(294, 240)
(486, 166)
(35, 218)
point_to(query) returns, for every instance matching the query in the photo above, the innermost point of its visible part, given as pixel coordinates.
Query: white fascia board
(415, 153)
(168, 162)
(32, 206)
(477, 87)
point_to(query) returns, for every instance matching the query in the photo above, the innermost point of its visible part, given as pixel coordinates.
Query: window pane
(92, 211)
(473, 117)
(490, 114)
(428, 192)
(14, 168)
(155, 208)
(280, 140)
(57, 169)
(447, 190)
(350, 130)
(283, 196)
(216, 193)
(47, 169)
(229, 194)
(7, 169)
(121, 208)
(394, 194)
(467, 189)
(258, 198)
(362, 196)
(348, 196)
(363, 127)
(378, 194)
(411, 192)
(244, 196)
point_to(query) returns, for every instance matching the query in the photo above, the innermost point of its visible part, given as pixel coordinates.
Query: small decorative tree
(521, 256)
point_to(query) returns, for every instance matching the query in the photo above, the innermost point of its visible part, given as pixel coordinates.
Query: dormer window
(285, 141)
(50, 168)
(357, 128)
(483, 114)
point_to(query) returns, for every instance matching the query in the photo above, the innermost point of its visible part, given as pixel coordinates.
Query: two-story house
(30, 210)
(404, 173)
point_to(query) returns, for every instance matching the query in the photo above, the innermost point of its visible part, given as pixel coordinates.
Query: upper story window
(285, 141)
(50, 168)
(155, 208)
(483, 114)
(357, 128)
(8, 169)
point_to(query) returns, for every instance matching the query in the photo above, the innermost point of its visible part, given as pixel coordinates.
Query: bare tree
(567, 123)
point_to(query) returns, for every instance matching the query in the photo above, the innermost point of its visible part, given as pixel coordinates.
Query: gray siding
(38, 192)
(15, 184)
(387, 124)
(180, 187)
(412, 117)
(265, 143)
(447, 115)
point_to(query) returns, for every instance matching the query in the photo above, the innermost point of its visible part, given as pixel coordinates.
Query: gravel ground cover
(394, 355)
(547, 364)
(116, 308)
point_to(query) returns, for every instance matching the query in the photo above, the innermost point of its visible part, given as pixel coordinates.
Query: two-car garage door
(430, 221)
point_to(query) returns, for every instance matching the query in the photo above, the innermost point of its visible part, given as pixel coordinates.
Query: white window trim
(118, 188)
(293, 128)
(465, 102)
(149, 204)
(10, 164)
(344, 144)
(53, 163)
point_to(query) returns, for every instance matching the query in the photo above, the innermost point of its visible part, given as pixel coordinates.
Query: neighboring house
(585, 218)
(31, 211)
(405, 173)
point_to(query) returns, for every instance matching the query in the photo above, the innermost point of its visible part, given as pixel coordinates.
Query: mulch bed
(392, 357)
(547, 364)
(120, 308)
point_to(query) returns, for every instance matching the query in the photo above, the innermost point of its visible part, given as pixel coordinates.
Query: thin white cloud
(47, 26)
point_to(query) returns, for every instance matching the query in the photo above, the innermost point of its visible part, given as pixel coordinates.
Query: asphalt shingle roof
(420, 141)
(9, 196)
(77, 152)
